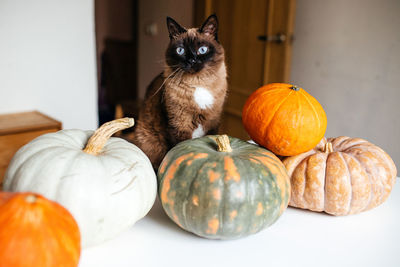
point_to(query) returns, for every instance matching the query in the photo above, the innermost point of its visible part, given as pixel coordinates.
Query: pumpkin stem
(328, 148)
(30, 198)
(223, 143)
(295, 87)
(100, 137)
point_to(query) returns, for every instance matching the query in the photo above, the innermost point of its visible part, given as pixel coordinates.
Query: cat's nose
(192, 61)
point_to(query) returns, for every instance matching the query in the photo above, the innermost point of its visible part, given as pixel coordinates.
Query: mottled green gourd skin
(222, 195)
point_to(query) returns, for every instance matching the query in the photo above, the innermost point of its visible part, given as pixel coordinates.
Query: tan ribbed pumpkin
(341, 176)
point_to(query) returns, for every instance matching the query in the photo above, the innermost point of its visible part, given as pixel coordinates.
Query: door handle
(277, 38)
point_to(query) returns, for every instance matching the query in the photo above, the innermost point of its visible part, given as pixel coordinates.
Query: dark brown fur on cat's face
(195, 49)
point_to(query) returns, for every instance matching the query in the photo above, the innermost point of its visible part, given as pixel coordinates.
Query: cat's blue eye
(180, 50)
(202, 50)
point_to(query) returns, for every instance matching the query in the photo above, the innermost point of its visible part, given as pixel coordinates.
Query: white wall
(47, 60)
(152, 48)
(347, 55)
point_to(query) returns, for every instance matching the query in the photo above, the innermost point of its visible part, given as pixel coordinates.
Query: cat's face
(193, 50)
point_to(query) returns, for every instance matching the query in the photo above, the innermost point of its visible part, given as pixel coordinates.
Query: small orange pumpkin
(284, 119)
(35, 231)
(341, 176)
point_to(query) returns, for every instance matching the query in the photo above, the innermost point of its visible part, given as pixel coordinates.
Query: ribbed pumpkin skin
(40, 233)
(283, 120)
(222, 195)
(355, 176)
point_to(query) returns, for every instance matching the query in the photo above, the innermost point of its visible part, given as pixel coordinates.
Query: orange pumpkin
(35, 231)
(340, 176)
(284, 118)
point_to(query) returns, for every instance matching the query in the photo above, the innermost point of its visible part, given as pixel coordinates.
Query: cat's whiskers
(177, 79)
(180, 77)
(172, 79)
(165, 80)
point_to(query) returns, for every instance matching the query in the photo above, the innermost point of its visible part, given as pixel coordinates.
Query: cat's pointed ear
(174, 28)
(210, 26)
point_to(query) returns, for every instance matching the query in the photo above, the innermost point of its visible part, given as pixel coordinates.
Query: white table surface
(298, 238)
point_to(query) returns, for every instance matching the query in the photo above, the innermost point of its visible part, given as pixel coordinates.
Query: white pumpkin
(107, 186)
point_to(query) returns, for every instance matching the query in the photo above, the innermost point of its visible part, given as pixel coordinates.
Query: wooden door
(256, 35)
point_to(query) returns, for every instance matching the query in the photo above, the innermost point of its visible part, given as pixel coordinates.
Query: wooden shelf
(18, 129)
(26, 122)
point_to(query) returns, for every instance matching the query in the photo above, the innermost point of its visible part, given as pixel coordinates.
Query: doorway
(117, 49)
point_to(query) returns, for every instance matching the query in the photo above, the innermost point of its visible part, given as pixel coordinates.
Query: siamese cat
(186, 100)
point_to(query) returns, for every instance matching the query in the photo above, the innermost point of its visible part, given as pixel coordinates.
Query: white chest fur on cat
(203, 97)
(198, 132)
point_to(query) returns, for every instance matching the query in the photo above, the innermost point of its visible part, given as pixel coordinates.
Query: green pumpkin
(221, 187)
